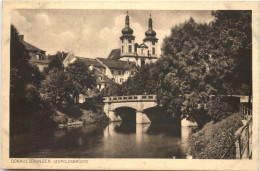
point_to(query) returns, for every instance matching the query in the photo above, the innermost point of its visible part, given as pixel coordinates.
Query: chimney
(21, 37)
(62, 54)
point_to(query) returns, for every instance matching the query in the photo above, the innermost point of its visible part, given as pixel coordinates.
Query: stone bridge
(137, 103)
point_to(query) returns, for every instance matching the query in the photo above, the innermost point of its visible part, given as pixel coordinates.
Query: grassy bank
(213, 140)
(86, 112)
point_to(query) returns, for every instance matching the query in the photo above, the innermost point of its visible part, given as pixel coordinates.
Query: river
(116, 140)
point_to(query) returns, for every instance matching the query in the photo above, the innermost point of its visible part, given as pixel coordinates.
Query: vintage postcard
(130, 85)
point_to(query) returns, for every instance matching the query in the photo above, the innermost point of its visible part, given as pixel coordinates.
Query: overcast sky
(93, 33)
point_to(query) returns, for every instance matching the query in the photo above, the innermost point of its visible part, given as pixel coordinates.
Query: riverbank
(86, 113)
(214, 139)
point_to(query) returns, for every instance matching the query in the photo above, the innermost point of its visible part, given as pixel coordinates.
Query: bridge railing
(130, 98)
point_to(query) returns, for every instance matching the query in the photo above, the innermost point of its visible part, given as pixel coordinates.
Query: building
(117, 70)
(37, 55)
(107, 70)
(141, 54)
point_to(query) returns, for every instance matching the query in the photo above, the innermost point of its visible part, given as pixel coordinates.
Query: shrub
(221, 107)
(213, 140)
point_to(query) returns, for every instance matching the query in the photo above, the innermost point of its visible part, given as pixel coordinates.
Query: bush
(221, 107)
(213, 140)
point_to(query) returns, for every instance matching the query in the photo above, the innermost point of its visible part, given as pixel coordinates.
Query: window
(129, 41)
(101, 78)
(112, 71)
(119, 72)
(130, 49)
(153, 43)
(122, 49)
(142, 63)
(153, 50)
(142, 51)
(99, 86)
(121, 80)
(105, 85)
(123, 41)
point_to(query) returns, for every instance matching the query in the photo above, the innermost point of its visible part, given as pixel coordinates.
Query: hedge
(213, 140)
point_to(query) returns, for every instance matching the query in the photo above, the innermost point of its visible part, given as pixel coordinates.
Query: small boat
(76, 123)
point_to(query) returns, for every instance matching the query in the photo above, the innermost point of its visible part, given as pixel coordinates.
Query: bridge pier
(113, 117)
(141, 117)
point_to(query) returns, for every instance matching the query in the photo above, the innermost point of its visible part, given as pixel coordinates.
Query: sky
(94, 33)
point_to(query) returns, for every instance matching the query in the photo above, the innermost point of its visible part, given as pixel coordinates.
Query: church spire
(150, 33)
(150, 23)
(127, 22)
(127, 30)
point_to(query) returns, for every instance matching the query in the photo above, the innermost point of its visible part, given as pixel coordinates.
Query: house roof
(106, 79)
(117, 64)
(90, 62)
(114, 54)
(69, 57)
(30, 47)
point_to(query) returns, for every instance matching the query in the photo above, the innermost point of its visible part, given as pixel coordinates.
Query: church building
(123, 62)
(143, 53)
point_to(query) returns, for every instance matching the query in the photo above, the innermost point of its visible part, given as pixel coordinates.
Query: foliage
(56, 89)
(221, 107)
(80, 77)
(19, 77)
(35, 76)
(143, 82)
(233, 32)
(86, 112)
(186, 81)
(213, 140)
(19, 56)
(112, 89)
(56, 62)
(203, 60)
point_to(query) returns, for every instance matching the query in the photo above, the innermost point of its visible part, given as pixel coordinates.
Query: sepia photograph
(130, 84)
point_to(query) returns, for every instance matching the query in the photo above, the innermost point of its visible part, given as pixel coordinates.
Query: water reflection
(116, 140)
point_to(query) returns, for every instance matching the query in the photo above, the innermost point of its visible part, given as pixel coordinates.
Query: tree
(19, 77)
(234, 30)
(56, 62)
(203, 60)
(184, 89)
(81, 78)
(56, 90)
(35, 76)
(112, 89)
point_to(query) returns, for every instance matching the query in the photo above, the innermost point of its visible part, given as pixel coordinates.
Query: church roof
(30, 47)
(117, 64)
(142, 46)
(114, 54)
(90, 62)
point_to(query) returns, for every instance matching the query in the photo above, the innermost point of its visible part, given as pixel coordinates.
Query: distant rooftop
(114, 54)
(90, 62)
(117, 64)
(30, 47)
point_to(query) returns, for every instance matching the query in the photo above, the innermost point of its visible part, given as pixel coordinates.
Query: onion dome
(127, 31)
(150, 33)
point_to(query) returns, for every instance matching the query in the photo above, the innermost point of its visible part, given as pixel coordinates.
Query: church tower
(150, 40)
(127, 39)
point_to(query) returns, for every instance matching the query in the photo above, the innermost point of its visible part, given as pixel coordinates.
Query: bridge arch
(126, 113)
(139, 103)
